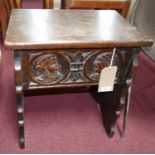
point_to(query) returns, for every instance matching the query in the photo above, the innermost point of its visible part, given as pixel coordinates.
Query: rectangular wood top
(60, 29)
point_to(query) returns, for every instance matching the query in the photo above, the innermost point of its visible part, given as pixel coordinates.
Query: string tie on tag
(112, 58)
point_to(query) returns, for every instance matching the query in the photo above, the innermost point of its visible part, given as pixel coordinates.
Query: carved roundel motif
(49, 69)
(95, 64)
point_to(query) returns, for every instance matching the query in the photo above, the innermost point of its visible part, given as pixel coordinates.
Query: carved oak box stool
(58, 49)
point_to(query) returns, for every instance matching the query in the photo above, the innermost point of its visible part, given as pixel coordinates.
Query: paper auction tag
(107, 79)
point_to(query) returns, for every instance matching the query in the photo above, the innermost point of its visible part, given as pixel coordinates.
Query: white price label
(107, 79)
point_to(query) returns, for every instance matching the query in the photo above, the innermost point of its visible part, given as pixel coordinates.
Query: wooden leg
(111, 102)
(128, 94)
(19, 96)
(108, 103)
(127, 105)
(116, 99)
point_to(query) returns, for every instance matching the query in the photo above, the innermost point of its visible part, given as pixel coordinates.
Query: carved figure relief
(97, 62)
(49, 68)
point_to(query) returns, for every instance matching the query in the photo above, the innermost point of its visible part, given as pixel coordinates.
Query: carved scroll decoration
(70, 66)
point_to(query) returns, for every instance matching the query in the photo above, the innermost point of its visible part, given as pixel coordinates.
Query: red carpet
(71, 123)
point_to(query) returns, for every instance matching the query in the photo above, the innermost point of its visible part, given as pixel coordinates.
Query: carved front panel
(63, 67)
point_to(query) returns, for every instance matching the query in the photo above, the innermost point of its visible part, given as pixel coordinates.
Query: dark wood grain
(47, 29)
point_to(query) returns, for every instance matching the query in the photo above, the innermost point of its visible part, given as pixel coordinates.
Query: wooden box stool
(69, 48)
